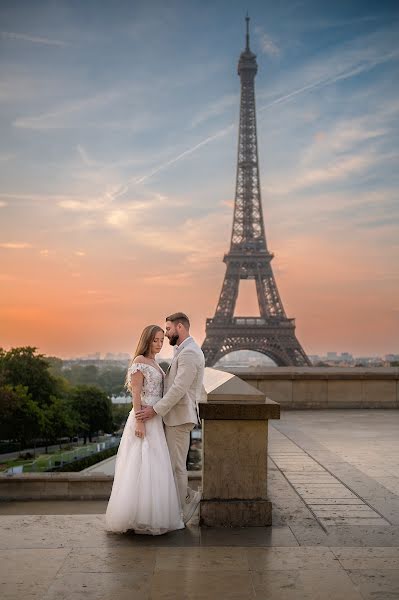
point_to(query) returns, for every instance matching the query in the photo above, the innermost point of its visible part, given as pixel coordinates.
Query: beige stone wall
(235, 459)
(312, 387)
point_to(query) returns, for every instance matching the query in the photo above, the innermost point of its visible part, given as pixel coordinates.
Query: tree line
(111, 379)
(38, 403)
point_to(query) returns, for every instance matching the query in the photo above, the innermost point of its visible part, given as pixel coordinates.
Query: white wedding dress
(144, 495)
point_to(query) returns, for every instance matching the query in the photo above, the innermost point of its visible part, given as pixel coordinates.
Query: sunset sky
(118, 144)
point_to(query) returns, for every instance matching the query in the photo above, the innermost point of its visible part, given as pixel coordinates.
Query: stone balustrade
(55, 486)
(326, 387)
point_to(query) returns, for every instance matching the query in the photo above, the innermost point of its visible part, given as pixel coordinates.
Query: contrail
(31, 38)
(220, 133)
(305, 88)
(356, 70)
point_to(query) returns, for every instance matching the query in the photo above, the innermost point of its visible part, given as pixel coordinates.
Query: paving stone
(304, 584)
(336, 501)
(341, 492)
(27, 573)
(248, 536)
(376, 584)
(346, 520)
(354, 510)
(369, 558)
(302, 557)
(202, 559)
(110, 560)
(201, 585)
(100, 586)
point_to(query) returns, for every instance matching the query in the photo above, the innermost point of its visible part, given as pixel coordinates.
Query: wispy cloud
(196, 240)
(5, 157)
(337, 169)
(117, 218)
(267, 45)
(87, 160)
(15, 245)
(38, 198)
(325, 23)
(12, 35)
(347, 149)
(60, 117)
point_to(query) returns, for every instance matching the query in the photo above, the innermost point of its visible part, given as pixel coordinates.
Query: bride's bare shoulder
(140, 359)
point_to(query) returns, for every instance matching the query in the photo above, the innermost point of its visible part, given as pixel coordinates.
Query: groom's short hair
(179, 317)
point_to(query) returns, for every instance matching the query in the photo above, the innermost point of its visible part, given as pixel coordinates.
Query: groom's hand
(145, 413)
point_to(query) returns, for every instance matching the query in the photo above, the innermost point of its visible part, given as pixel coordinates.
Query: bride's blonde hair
(144, 346)
(146, 339)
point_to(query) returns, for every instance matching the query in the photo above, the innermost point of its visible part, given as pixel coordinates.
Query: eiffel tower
(273, 333)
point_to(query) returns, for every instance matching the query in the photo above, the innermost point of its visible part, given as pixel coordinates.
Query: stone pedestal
(234, 444)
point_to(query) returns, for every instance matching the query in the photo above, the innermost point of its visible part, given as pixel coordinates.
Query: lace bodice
(152, 389)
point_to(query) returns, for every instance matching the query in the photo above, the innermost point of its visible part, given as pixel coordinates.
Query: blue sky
(117, 162)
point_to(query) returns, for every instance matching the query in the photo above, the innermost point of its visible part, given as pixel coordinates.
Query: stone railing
(55, 486)
(326, 387)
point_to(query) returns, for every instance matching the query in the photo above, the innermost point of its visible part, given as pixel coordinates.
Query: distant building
(391, 358)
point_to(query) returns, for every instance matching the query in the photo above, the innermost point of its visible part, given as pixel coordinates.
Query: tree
(109, 379)
(23, 367)
(94, 409)
(120, 413)
(21, 419)
(112, 380)
(59, 420)
(55, 365)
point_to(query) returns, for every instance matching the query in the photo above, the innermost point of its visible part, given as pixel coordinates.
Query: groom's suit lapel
(180, 349)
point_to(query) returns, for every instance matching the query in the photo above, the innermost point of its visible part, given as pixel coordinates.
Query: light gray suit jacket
(183, 386)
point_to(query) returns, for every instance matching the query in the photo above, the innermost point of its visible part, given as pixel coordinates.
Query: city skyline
(118, 165)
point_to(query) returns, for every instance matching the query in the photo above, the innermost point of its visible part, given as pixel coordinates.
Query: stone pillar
(234, 445)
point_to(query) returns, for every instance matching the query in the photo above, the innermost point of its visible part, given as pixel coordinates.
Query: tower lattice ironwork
(273, 333)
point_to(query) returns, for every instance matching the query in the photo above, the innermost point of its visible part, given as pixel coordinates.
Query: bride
(144, 495)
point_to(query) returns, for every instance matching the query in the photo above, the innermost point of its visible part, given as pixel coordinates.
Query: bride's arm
(136, 383)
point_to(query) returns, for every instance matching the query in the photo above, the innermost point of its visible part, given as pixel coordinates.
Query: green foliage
(120, 413)
(109, 379)
(55, 366)
(59, 420)
(36, 401)
(94, 409)
(21, 419)
(23, 367)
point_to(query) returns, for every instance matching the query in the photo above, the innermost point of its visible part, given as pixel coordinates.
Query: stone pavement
(334, 484)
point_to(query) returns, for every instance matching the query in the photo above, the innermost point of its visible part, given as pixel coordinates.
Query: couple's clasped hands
(144, 414)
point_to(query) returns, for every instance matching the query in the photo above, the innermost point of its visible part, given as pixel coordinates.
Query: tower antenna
(247, 36)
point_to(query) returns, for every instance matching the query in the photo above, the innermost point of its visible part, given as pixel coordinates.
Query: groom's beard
(173, 340)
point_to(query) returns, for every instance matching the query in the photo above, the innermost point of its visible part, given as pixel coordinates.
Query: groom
(178, 407)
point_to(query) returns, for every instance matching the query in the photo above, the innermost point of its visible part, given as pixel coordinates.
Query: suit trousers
(178, 440)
